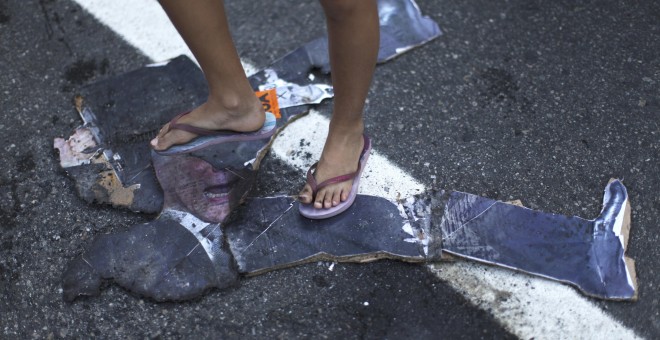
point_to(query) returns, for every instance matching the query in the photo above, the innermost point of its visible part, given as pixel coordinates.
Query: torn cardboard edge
(327, 257)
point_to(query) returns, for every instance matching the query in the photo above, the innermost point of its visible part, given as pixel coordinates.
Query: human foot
(340, 164)
(247, 116)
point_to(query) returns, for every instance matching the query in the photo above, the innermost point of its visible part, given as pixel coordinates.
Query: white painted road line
(144, 25)
(527, 306)
(530, 307)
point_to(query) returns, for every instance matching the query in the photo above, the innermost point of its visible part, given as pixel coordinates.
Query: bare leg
(231, 104)
(353, 33)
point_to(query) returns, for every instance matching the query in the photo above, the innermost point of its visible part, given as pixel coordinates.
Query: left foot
(340, 156)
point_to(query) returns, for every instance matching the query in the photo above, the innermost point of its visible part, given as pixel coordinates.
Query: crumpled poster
(204, 238)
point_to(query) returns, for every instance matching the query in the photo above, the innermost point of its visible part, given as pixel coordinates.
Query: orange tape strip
(268, 100)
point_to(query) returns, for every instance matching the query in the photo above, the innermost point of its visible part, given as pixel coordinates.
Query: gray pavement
(540, 101)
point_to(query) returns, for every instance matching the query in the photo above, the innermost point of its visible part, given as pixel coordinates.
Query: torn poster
(402, 28)
(109, 156)
(166, 259)
(588, 254)
(269, 233)
(204, 239)
(179, 256)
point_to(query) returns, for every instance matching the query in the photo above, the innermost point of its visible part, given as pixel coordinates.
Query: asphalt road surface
(542, 101)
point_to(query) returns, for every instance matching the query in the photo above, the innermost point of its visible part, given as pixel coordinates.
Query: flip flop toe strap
(310, 178)
(194, 129)
(318, 186)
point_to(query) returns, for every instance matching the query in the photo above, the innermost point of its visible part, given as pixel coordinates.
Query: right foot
(248, 116)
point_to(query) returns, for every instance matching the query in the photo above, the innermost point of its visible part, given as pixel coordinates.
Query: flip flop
(309, 211)
(211, 137)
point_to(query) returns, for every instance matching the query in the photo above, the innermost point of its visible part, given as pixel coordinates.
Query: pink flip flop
(212, 137)
(309, 211)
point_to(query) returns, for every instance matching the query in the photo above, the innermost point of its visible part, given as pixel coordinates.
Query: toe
(305, 195)
(173, 137)
(157, 143)
(344, 195)
(319, 199)
(336, 198)
(327, 201)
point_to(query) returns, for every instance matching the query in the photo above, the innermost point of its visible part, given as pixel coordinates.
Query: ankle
(234, 103)
(347, 129)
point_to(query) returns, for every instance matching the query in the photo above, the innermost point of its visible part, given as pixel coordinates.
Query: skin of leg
(353, 34)
(231, 104)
